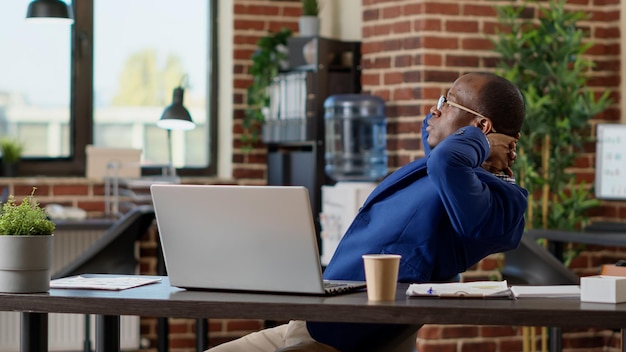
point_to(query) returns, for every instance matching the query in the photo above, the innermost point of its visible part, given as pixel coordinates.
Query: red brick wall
(412, 51)
(253, 20)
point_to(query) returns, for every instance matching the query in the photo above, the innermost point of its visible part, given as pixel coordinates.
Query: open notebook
(243, 238)
(491, 289)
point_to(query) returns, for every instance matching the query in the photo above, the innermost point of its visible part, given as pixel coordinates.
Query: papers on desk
(477, 289)
(549, 291)
(111, 283)
(491, 289)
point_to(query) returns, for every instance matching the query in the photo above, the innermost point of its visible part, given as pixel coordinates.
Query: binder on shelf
(286, 120)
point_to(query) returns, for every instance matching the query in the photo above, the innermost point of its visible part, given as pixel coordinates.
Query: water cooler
(355, 157)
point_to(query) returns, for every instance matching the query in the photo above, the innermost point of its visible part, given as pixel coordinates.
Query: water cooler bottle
(355, 157)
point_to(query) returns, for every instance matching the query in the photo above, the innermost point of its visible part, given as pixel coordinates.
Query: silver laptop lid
(252, 238)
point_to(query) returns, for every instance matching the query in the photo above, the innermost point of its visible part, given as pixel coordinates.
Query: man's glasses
(444, 100)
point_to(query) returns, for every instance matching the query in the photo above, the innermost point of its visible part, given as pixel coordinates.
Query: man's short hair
(503, 103)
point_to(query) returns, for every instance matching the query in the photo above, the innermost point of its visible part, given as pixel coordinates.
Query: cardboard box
(613, 270)
(603, 289)
(113, 162)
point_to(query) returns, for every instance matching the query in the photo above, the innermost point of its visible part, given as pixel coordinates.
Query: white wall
(341, 19)
(225, 91)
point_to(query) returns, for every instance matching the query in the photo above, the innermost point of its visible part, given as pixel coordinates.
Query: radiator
(66, 332)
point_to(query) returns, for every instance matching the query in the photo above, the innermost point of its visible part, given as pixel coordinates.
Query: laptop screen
(257, 238)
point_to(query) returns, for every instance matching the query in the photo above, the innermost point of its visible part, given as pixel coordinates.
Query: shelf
(294, 129)
(296, 111)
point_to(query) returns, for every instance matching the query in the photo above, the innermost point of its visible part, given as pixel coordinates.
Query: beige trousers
(291, 337)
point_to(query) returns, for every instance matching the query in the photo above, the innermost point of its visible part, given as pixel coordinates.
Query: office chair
(532, 264)
(114, 252)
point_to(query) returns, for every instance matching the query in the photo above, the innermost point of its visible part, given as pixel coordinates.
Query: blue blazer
(443, 213)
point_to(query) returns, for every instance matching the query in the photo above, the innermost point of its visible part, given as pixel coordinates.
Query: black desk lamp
(49, 11)
(176, 116)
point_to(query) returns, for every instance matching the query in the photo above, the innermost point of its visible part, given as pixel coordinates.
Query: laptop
(241, 238)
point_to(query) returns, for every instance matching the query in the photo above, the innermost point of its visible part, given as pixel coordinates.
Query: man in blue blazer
(443, 213)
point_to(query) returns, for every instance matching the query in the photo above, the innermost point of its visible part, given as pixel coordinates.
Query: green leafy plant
(26, 218)
(310, 7)
(11, 150)
(265, 66)
(544, 58)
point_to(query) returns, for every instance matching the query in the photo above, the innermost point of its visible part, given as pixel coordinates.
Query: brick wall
(412, 51)
(253, 20)
(75, 192)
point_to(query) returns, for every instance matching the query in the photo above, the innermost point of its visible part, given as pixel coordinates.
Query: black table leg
(107, 333)
(163, 330)
(87, 340)
(34, 333)
(556, 339)
(202, 335)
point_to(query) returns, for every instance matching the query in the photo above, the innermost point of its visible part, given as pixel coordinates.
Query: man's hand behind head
(503, 153)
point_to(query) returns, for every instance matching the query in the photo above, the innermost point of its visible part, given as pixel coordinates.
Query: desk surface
(163, 300)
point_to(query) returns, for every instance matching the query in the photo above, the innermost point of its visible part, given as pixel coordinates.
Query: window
(106, 81)
(35, 67)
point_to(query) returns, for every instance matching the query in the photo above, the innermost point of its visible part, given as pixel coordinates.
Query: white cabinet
(340, 204)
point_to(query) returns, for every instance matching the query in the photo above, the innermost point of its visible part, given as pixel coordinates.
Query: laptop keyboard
(333, 287)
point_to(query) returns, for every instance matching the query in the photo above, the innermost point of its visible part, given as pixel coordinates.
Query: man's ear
(485, 125)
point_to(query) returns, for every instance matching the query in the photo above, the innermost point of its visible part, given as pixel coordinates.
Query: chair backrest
(114, 252)
(532, 264)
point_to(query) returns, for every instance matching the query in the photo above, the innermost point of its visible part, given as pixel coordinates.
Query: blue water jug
(356, 128)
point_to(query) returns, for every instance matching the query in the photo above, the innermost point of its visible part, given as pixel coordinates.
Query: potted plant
(267, 60)
(26, 239)
(11, 154)
(309, 23)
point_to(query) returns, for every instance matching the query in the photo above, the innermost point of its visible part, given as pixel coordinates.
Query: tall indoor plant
(26, 236)
(544, 57)
(266, 63)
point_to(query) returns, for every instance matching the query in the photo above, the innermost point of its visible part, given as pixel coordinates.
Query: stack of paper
(104, 282)
(554, 291)
(478, 289)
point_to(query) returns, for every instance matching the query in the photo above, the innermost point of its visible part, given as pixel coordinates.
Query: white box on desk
(603, 289)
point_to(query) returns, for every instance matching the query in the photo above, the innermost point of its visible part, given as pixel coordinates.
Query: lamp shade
(49, 11)
(175, 116)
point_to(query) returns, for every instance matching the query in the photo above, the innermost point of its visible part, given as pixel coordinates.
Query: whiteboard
(610, 182)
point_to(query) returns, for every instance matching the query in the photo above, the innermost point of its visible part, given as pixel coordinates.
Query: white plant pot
(25, 263)
(309, 26)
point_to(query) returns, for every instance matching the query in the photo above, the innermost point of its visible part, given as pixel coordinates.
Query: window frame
(81, 101)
